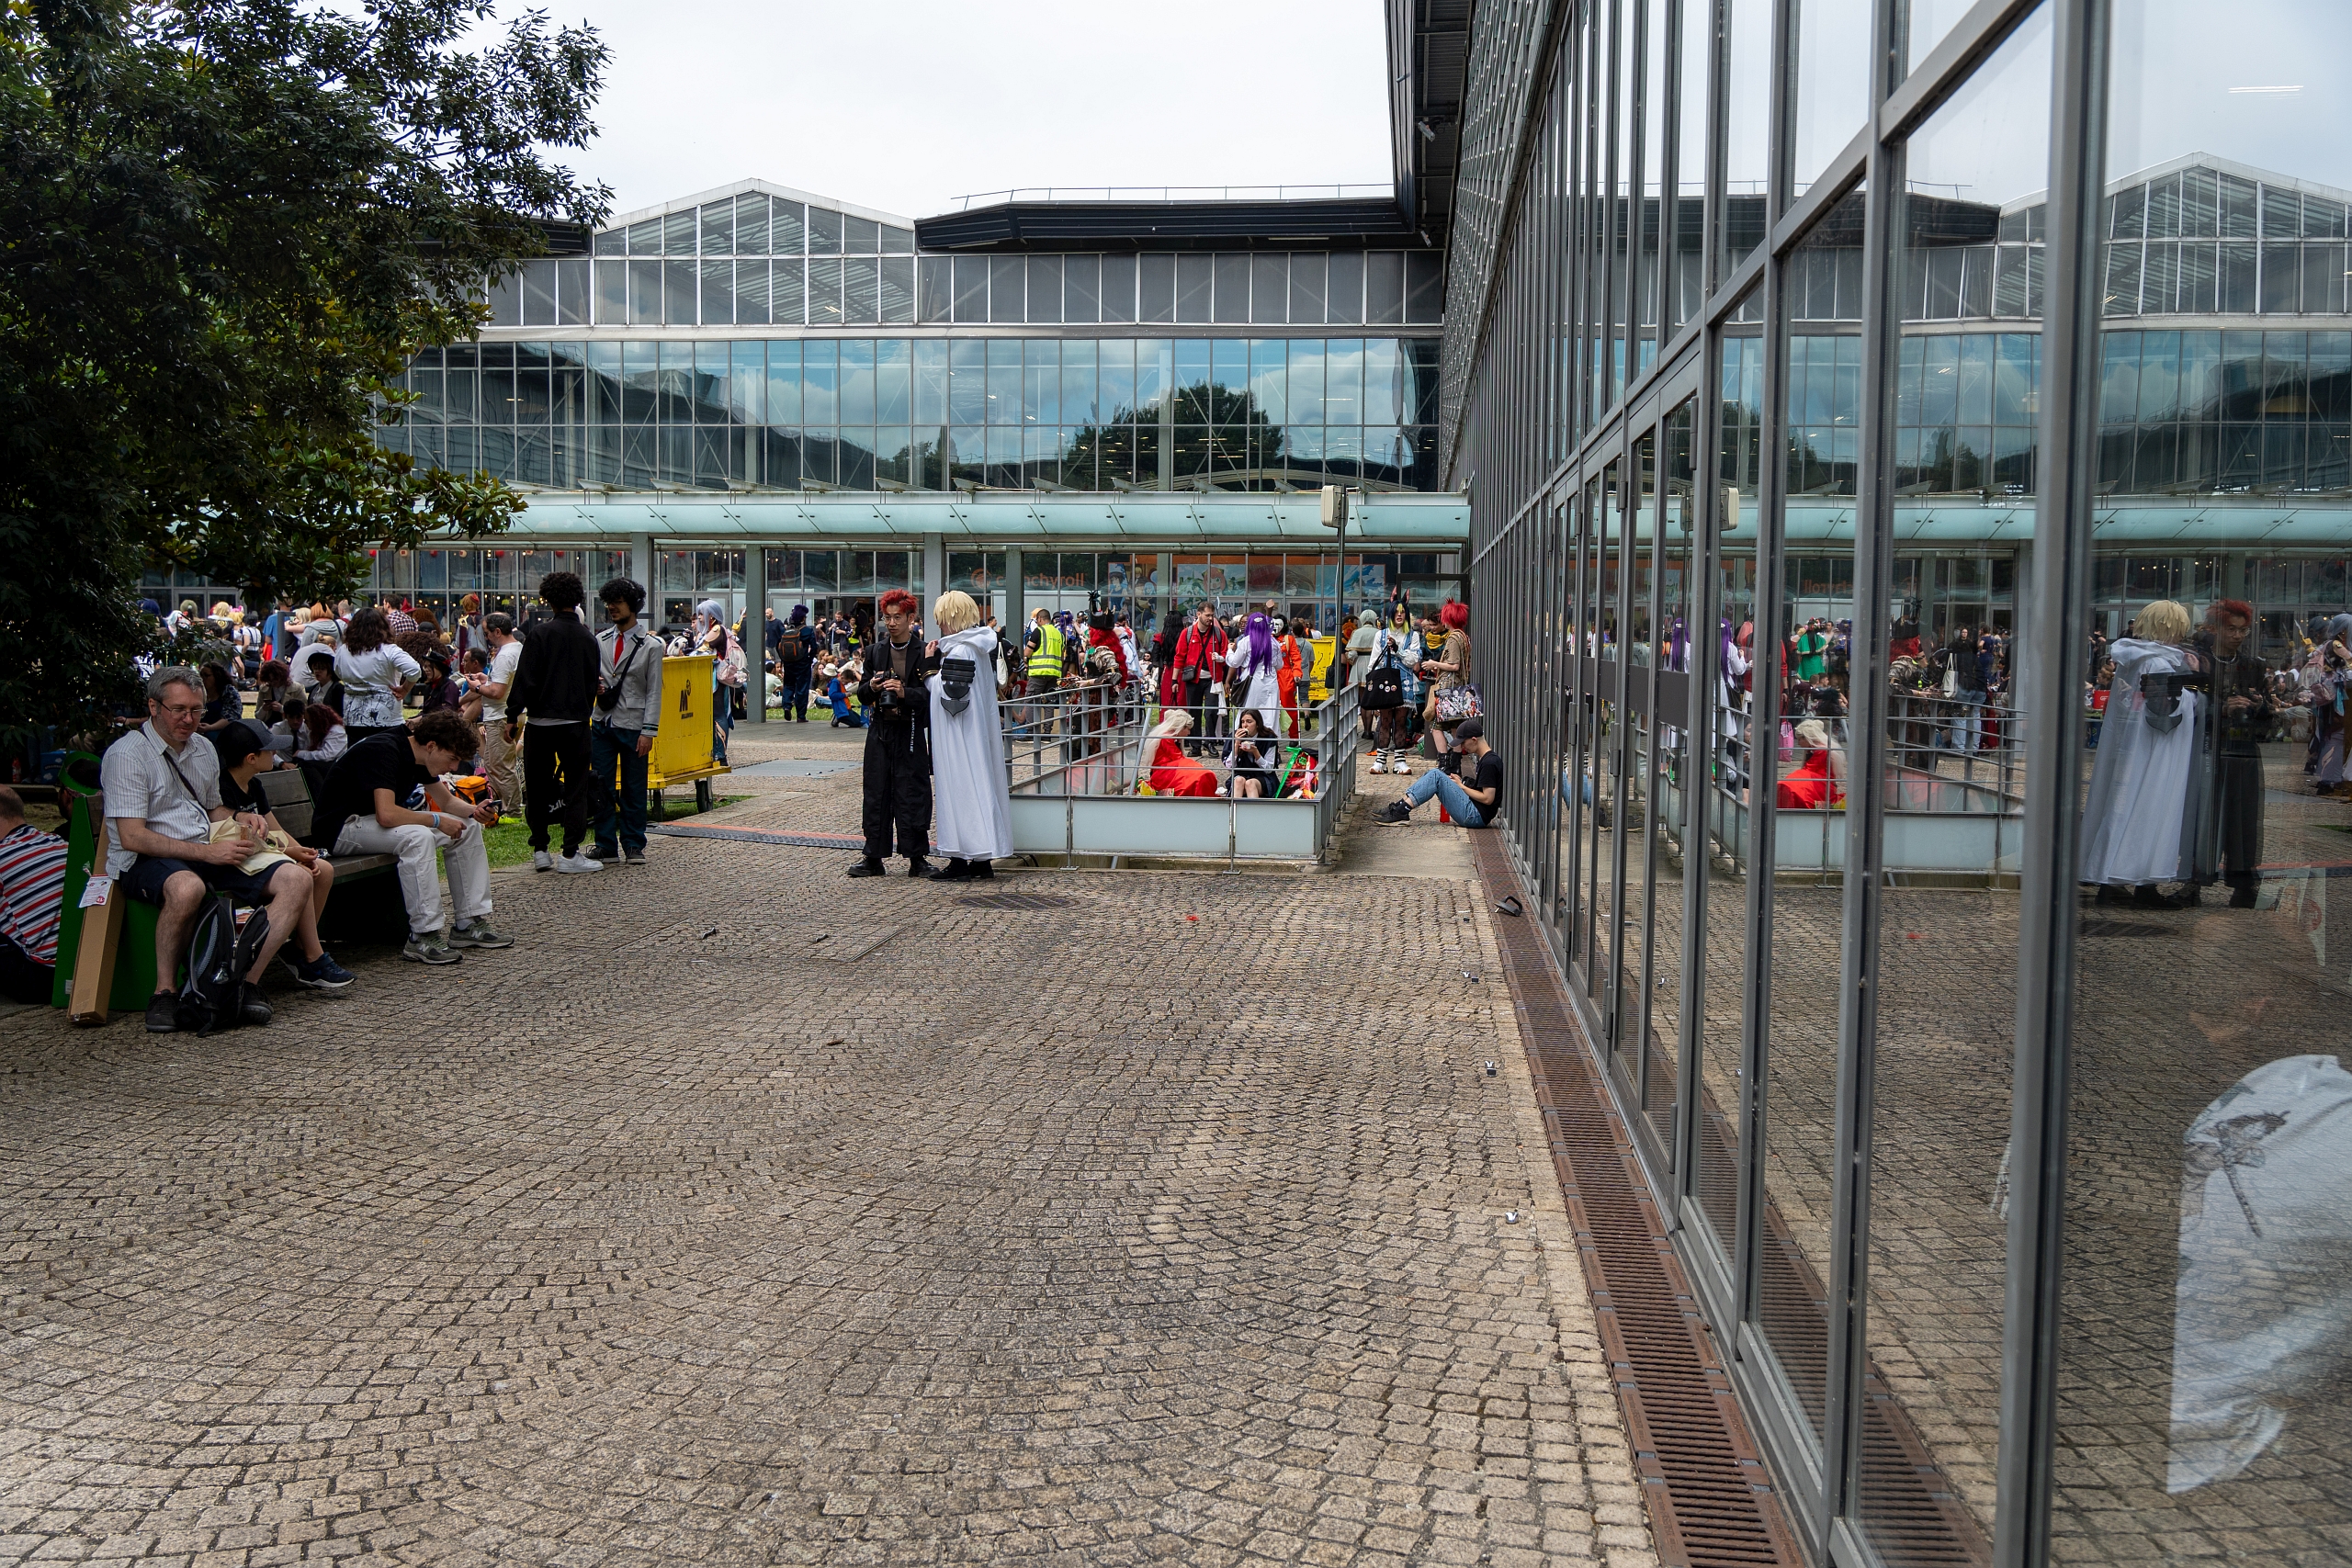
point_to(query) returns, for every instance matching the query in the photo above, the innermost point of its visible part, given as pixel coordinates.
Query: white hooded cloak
(971, 810)
(2133, 819)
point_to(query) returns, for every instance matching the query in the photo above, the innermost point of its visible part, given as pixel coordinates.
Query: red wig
(1455, 616)
(900, 599)
(2237, 609)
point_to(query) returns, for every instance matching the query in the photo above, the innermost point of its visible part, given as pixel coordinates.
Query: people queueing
(628, 721)
(898, 742)
(555, 686)
(968, 784)
(1201, 651)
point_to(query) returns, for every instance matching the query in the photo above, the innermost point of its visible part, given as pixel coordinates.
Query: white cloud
(906, 105)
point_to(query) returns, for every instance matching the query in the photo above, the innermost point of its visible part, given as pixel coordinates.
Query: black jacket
(557, 677)
(872, 699)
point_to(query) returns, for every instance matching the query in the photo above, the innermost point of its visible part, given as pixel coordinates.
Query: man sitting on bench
(385, 796)
(162, 795)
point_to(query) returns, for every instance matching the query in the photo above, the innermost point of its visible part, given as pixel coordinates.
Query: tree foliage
(228, 225)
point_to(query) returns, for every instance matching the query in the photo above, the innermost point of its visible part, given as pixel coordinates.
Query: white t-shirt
(371, 683)
(503, 665)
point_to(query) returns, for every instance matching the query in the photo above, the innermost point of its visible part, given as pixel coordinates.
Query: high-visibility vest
(1046, 659)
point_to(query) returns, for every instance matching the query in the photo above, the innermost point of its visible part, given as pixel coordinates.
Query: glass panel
(1044, 289)
(2203, 1405)
(1808, 890)
(971, 289)
(1832, 43)
(1310, 278)
(860, 236)
(825, 292)
(861, 291)
(1005, 280)
(1269, 288)
(1664, 849)
(1081, 288)
(1119, 288)
(1730, 789)
(1344, 301)
(1194, 277)
(1749, 50)
(824, 232)
(1954, 781)
(1156, 286)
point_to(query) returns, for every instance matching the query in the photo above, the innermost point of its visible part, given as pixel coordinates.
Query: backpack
(789, 648)
(1384, 684)
(221, 952)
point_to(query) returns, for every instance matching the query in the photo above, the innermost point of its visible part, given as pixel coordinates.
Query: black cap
(1470, 729)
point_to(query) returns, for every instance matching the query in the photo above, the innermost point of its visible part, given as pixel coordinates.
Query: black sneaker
(917, 868)
(164, 1014)
(608, 853)
(1396, 811)
(253, 1009)
(869, 868)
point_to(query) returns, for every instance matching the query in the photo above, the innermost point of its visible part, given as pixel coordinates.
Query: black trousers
(2239, 779)
(556, 782)
(21, 979)
(898, 789)
(1198, 698)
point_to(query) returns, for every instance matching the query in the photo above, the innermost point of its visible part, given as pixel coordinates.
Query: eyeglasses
(183, 710)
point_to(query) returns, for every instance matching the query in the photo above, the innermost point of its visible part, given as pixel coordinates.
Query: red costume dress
(1172, 773)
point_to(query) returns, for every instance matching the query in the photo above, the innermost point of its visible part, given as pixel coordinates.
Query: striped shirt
(32, 890)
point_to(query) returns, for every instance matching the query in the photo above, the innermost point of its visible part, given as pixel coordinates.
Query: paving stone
(1090, 1234)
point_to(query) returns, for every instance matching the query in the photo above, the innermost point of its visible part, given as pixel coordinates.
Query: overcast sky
(907, 105)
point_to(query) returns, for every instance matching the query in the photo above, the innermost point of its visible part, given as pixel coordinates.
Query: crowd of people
(411, 738)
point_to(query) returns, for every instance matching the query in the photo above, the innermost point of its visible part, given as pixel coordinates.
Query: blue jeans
(613, 753)
(1457, 800)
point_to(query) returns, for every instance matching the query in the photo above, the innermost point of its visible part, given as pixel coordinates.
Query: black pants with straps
(898, 789)
(556, 782)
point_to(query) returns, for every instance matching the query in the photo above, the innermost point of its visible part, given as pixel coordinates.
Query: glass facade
(1850, 537)
(930, 413)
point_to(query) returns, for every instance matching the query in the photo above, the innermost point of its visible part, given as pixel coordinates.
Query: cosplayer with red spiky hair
(897, 739)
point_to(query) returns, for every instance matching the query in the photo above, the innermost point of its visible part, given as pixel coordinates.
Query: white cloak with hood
(971, 809)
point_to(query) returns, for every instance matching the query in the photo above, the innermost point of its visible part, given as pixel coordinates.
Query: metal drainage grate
(1016, 901)
(760, 836)
(1711, 1502)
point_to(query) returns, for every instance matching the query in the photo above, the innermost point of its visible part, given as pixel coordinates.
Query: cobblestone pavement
(2175, 1006)
(744, 1214)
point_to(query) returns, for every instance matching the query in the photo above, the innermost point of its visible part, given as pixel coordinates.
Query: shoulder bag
(1384, 684)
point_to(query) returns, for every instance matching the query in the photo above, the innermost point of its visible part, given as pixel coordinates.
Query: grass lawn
(509, 843)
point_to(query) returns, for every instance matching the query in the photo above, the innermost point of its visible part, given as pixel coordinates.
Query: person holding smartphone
(1468, 779)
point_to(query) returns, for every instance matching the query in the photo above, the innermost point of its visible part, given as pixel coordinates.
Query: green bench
(366, 906)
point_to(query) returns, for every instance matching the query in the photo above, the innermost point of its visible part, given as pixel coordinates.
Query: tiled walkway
(1165, 1224)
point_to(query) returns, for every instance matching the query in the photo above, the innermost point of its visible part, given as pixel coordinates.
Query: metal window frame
(1543, 290)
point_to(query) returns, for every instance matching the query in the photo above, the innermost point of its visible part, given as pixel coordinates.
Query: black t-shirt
(380, 761)
(1483, 773)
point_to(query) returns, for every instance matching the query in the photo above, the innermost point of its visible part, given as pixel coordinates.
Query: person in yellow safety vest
(1045, 652)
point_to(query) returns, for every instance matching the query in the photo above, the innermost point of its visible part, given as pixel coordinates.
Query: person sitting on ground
(224, 703)
(243, 759)
(437, 688)
(1253, 757)
(1472, 797)
(32, 901)
(386, 796)
(271, 690)
(324, 687)
(1173, 772)
(1820, 781)
(839, 680)
(322, 733)
(290, 731)
(163, 797)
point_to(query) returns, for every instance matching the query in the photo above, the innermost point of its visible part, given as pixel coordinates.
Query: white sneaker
(1400, 767)
(1379, 764)
(542, 861)
(578, 864)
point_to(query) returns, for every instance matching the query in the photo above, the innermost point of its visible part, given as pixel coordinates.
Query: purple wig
(1261, 633)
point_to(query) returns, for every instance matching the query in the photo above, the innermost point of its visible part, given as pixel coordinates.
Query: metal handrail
(1091, 739)
(1175, 193)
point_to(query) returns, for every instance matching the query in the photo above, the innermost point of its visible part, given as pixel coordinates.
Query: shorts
(144, 881)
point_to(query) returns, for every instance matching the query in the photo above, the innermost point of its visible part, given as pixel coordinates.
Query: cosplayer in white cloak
(971, 812)
(2147, 748)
